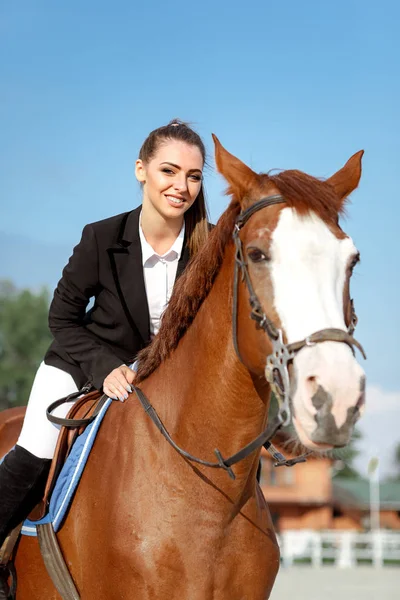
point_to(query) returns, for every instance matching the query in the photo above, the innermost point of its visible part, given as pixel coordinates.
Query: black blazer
(106, 265)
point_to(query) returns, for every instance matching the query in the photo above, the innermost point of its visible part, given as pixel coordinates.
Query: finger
(117, 389)
(129, 375)
(109, 393)
(118, 379)
(124, 379)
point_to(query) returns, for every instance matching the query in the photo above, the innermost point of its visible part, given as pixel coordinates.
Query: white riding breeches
(38, 435)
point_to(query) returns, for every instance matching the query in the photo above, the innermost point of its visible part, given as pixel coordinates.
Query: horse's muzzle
(327, 431)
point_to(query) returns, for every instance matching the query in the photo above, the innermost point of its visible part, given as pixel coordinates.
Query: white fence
(340, 548)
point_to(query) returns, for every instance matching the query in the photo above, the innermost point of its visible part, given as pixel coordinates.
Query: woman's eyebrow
(178, 167)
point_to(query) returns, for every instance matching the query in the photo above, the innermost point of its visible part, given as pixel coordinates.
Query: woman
(128, 263)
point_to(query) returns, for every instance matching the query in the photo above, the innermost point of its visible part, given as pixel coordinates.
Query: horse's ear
(347, 178)
(239, 176)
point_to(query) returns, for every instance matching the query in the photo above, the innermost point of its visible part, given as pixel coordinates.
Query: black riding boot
(22, 480)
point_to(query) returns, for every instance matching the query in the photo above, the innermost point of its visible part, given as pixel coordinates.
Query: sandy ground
(330, 583)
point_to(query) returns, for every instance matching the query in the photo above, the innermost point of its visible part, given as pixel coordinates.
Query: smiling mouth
(174, 199)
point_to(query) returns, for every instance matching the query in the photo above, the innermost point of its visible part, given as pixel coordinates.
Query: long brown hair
(196, 218)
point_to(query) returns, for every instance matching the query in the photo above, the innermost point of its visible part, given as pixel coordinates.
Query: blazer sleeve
(80, 282)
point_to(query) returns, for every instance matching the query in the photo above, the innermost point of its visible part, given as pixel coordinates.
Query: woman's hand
(117, 384)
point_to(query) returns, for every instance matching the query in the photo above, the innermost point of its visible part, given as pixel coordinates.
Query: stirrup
(8, 591)
(7, 568)
(7, 549)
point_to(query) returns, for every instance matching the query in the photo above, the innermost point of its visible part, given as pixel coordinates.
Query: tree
(396, 462)
(24, 338)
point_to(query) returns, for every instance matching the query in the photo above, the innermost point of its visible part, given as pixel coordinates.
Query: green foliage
(24, 339)
(397, 456)
(396, 461)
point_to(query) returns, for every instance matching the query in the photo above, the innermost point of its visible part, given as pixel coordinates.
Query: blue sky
(283, 85)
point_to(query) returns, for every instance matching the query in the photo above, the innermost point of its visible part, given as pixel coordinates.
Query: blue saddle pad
(69, 477)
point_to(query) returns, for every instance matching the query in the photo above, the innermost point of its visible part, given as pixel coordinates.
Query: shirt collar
(148, 252)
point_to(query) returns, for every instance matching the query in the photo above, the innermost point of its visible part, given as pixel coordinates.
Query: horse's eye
(256, 255)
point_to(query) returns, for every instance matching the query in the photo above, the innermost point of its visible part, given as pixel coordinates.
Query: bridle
(276, 369)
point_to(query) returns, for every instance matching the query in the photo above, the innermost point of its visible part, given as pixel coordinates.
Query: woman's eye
(256, 255)
(168, 171)
(195, 177)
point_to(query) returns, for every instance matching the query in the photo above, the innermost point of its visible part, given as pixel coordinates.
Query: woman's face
(172, 178)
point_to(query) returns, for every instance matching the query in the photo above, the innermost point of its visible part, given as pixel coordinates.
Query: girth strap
(55, 563)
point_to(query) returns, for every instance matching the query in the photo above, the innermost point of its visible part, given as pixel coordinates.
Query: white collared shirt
(159, 275)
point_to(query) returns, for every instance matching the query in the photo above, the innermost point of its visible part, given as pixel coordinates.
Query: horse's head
(299, 264)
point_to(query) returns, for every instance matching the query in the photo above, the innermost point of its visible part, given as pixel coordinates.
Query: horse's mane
(189, 292)
(301, 191)
(308, 194)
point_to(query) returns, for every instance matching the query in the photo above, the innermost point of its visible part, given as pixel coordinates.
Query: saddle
(80, 415)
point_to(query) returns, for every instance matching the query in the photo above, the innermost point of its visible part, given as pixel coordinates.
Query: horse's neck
(205, 396)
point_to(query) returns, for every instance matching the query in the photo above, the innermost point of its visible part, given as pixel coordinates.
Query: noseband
(276, 369)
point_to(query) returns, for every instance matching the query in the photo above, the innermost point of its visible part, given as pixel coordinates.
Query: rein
(223, 463)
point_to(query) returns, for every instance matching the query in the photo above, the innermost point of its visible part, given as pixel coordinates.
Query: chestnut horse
(146, 522)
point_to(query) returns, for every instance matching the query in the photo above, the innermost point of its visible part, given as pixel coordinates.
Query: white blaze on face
(308, 272)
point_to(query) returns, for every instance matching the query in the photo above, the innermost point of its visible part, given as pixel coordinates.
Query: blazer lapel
(184, 259)
(127, 268)
(126, 264)
(135, 290)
